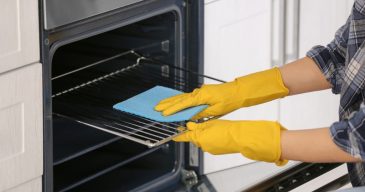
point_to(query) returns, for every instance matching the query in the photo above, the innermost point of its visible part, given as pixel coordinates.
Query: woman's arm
(313, 145)
(303, 75)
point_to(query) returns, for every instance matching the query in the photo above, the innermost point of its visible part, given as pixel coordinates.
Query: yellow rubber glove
(256, 140)
(223, 98)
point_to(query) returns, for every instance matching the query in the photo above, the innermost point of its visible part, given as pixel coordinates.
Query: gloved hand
(223, 98)
(257, 140)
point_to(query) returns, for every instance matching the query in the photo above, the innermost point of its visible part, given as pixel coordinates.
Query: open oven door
(259, 176)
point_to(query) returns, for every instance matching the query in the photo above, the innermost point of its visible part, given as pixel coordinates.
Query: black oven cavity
(89, 76)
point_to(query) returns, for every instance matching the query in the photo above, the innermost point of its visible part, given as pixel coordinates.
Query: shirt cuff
(349, 134)
(340, 136)
(326, 62)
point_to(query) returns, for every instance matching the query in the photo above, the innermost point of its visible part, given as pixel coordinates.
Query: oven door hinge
(189, 178)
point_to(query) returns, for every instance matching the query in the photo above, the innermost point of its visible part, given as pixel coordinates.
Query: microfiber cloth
(144, 103)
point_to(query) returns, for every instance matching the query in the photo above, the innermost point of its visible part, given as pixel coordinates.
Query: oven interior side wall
(85, 158)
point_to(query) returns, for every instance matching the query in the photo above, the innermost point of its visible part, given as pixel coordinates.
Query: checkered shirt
(342, 62)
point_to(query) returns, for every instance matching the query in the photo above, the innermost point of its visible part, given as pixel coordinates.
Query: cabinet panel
(11, 130)
(237, 42)
(21, 126)
(19, 37)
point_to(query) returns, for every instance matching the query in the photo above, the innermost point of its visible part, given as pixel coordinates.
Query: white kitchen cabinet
(19, 36)
(237, 42)
(318, 22)
(21, 126)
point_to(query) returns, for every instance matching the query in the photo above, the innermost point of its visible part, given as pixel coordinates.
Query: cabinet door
(21, 151)
(237, 42)
(19, 35)
(317, 26)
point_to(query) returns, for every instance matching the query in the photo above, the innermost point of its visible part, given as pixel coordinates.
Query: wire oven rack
(90, 103)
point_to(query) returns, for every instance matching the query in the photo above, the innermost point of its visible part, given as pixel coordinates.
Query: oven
(98, 53)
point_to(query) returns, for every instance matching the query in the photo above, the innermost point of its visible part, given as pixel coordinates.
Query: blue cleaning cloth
(144, 103)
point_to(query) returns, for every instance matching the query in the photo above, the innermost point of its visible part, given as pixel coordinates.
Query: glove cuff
(279, 161)
(262, 141)
(261, 87)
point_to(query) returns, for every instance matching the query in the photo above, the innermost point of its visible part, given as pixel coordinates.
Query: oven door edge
(194, 60)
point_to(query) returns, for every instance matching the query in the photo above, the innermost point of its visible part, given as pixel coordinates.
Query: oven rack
(131, 52)
(91, 103)
(134, 56)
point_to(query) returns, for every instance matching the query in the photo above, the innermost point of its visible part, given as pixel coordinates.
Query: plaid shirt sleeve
(343, 64)
(331, 59)
(349, 134)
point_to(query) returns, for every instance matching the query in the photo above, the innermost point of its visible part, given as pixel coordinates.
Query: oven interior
(89, 76)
